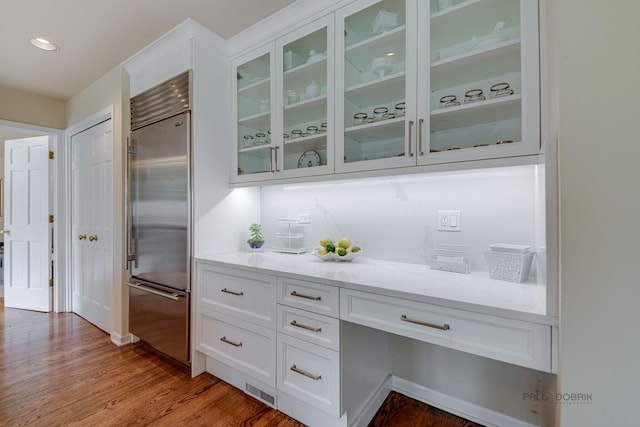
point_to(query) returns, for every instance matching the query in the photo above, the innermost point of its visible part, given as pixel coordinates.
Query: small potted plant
(256, 240)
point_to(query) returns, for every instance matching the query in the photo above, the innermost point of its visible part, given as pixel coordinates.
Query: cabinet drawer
(513, 341)
(244, 346)
(247, 296)
(312, 327)
(310, 373)
(321, 299)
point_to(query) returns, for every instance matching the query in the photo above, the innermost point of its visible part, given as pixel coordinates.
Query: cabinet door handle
(420, 150)
(444, 327)
(82, 237)
(295, 294)
(227, 291)
(271, 150)
(277, 169)
(410, 137)
(314, 377)
(308, 328)
(93, 238)
(233, 343)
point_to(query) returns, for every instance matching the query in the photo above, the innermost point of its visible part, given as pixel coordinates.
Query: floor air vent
(261, 395)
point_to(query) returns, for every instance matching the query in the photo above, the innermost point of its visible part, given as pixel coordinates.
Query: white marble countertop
(473, 292)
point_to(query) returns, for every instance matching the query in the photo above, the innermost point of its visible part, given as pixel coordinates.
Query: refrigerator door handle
(129, 254)
(174, 296)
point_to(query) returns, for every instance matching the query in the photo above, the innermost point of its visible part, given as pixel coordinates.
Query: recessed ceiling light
(391, 54)
(43, 44)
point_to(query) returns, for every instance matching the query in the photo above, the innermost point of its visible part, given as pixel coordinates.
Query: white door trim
(59, 205)
(99, 117)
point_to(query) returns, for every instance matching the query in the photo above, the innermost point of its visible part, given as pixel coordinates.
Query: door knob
(5, 231)
(93, 238)
(82, 237)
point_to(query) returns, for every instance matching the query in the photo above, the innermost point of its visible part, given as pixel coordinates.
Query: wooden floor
(59, 370)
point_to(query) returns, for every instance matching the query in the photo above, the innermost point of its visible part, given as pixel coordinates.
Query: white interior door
(92, 224)
(27, 241)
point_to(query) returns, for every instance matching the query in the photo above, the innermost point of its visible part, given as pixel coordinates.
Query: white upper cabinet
(411, 83)
(483, 53)
(284, 106)
(376, 74)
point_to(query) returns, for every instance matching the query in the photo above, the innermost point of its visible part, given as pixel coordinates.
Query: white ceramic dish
(350, 256)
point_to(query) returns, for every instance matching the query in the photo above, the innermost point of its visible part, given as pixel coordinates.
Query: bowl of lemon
(341, 250)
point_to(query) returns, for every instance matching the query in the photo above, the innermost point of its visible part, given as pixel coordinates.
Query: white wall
(396, 218)
(599, 155)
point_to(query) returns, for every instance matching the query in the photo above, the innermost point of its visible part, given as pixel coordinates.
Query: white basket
(438, 263)
(512, 267)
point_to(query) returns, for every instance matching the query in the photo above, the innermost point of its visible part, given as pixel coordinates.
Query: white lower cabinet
(239, 344)
(320, 353)
(309, 372)
(513, 341)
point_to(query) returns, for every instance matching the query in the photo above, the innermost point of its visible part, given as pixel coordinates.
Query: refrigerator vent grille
(164, 100)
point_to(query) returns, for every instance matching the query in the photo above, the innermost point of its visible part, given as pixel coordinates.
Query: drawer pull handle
(233, 343)
(309, 328)
(227, 291)
(294, 368)
(295, 294)
(444, 327)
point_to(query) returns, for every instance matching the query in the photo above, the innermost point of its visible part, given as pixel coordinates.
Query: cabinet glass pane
(374, 75)
(254, 116)
(305, 101)
(475, 57)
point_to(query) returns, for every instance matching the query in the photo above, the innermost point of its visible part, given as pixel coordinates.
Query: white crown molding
(297, 14)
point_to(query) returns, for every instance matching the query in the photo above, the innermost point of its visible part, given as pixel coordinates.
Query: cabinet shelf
(384, 129)
(256, 90)
(362, 53)
(254, 120)
(305, 139)
(477, 113)
(479, 17)
(305, 111)
(476, 65)
(257, 150)
(377, 91)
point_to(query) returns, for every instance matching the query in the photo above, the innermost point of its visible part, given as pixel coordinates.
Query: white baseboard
(125, 339)
(456, 406)
(373, 404)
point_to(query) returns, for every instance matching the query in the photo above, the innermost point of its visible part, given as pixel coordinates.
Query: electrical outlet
(449, 220)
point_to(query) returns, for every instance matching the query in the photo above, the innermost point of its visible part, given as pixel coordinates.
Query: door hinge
(51, 283)
(50, 219)
(51, 155)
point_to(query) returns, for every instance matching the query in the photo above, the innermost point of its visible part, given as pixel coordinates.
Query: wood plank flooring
(59, 370)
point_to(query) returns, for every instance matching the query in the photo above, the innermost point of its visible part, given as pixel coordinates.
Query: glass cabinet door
(375, 77)
(306, 90)
(482, 87)
(253, 115)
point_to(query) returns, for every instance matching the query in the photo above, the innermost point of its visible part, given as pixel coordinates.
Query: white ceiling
(96, 35)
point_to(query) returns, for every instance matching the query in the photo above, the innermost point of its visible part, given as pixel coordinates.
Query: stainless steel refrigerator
(159, 217)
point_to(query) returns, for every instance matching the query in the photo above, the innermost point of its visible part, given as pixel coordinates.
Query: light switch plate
(449, 220)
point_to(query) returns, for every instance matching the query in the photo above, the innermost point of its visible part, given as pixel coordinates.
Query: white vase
(313, 90)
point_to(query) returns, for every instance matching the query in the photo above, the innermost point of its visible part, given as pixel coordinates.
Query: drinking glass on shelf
(261, 138)
(449, 101)
(473, 95)
(296, 133)
(400, 108)
(247, 141)
(359, 118)
(312, 129)
(379, 112)
(500, 89)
